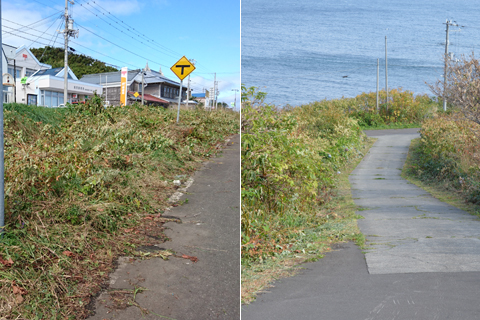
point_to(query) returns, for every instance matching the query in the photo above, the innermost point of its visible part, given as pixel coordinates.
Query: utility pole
(212, 92)
(215, 91)
(378, 72)
(445, 70)
(188, 88)
(386, 71)
(2, 152)
(235, 103)
(448, 23)
(143, 84)
(68, 31)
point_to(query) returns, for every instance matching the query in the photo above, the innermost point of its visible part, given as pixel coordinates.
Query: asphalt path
(422, 259)
(210, 231)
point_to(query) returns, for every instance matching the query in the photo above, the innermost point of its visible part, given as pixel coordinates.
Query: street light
(236, 90)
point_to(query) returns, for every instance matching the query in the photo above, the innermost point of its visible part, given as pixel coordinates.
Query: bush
(290, 159)
(448, 151)
(403, 107)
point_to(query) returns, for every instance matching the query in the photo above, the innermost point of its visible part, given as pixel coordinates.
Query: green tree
(79, 63)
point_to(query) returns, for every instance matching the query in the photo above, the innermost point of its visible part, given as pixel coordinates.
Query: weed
(83, 186)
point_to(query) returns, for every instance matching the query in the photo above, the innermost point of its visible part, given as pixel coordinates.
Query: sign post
(182, 68)
(123, 87)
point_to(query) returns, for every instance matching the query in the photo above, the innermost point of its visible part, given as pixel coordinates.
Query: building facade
(46, 88)
(158, 89)
(38, 84)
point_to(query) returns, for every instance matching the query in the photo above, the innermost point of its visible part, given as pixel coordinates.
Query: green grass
(52, 116)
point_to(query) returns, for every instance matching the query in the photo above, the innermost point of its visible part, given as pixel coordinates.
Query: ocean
(300, 51)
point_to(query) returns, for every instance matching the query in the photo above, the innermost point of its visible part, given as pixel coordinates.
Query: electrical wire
(125, 49)
(78, 44)
(53, 44)
(134, 38)
(43, 32)
(128, 27)
(23, 26)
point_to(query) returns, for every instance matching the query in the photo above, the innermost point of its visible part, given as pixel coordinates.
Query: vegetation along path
(421, 260)
(201, 280)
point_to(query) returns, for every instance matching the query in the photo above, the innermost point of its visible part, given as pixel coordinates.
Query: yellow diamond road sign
(182, 68)
(136, 94)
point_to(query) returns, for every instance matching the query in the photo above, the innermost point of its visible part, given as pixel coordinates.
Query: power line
(134, 38)
(128, 27)
(23, 26)
(78, 44)
(44, 31)
(53, 44)
(121, 46)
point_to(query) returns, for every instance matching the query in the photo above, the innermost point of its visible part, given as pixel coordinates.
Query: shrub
(290, 158)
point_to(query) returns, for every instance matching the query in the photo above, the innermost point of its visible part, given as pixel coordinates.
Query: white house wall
(49, 83)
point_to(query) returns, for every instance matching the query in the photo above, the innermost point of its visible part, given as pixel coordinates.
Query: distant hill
(79, 63)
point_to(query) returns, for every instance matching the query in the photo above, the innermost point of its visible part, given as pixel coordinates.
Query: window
(48, 98)
(55, 99)
(10, 70)
(29, 72)
(19, 73)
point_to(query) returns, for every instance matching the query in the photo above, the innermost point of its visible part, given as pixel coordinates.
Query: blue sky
(157, 31)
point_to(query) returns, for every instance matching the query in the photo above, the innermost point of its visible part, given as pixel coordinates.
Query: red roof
(149, 97)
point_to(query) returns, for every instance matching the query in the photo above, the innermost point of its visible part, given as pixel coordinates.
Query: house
(37, 83)
(46, 88)
(8, 54)
(159, 90)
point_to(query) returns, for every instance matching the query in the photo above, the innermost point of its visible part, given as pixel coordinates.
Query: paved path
(210, 230)
(423, 260)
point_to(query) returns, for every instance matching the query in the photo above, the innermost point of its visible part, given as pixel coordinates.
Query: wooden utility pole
(2, 151)
(386, 71)
(65, 76)
(378, 71)
(448, 23)
(67, 32)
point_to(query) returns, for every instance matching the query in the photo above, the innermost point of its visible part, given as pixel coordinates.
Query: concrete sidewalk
(408, 230)
(423, 260)
(210, 231)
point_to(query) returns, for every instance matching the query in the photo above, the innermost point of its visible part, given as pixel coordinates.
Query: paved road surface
(423, 260)
(177, 288)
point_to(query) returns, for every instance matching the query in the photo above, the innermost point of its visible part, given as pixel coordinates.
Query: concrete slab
(413, 232)
(339, 287)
